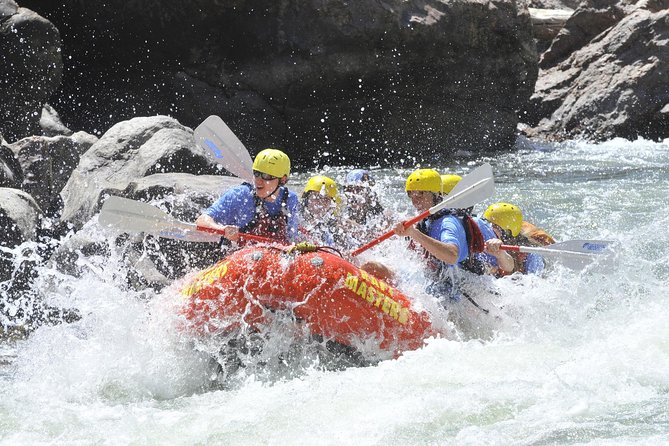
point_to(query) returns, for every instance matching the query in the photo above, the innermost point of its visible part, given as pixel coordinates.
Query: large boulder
(129, 151)
(20, 219)
(364, 80)
(51, 123)
(615, 85)
(47, 163)
(590, 19)
(31, 60)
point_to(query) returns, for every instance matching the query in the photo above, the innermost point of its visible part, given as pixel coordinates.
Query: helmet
(424, 180)
(359, 177)
(506, 216)
(273, 162)
(323, 185)
(448, 182)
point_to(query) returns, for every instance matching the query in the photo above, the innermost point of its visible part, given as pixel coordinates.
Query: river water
(581, 358)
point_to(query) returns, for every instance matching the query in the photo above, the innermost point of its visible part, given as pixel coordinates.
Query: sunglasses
(264, 176)
(417, 193)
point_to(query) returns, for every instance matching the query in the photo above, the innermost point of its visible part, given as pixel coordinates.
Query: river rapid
(581, 357)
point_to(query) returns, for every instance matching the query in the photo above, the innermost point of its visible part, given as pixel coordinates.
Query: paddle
(225, 148)
(135, 217)
(574, 254)
(473, 188)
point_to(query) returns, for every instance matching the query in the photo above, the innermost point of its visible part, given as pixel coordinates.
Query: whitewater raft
(333, 297)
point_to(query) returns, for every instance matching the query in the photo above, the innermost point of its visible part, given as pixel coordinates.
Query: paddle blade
(224, 147)
(574, 254)
(475, 187)
(131, 215)
(136, 217)
(583, 246)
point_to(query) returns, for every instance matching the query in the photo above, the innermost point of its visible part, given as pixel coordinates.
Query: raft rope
(303, 247)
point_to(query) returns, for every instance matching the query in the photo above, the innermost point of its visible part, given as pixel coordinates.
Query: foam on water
(578, 358)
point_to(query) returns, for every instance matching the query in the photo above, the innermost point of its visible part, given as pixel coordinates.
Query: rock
(129, 151)
(19, 217)
(616, 85)
(30, 48)
(591, 18)
(51, 124)
(362, 81)
(7, 9)
(47, 163)
(11, 174)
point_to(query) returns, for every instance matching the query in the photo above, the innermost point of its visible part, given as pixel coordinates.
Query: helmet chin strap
(279, 184)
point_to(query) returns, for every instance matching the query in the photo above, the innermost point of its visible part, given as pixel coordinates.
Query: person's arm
(221, 214)
(230, 232)
(504, 260)
(446, 252)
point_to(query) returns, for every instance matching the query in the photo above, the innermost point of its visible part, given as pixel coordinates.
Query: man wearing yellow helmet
(493, 259)
(442, 235)
(508, 225)
(447, 239)
(266, 207)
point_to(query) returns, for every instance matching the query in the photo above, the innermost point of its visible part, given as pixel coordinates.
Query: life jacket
(266, 225)
(475, 242)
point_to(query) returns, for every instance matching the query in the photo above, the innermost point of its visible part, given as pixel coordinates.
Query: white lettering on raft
(374, 291)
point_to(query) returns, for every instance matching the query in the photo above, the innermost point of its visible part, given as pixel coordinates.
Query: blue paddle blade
(216, 138)
(214, 149)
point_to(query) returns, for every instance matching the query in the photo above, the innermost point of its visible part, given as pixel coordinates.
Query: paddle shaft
(547, 251)
(242, 235)
(389, 234)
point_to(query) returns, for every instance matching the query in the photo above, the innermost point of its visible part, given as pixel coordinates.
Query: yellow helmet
(273, 162)
(448, 182)
(506, 216)
(323, 185)
(424, 180)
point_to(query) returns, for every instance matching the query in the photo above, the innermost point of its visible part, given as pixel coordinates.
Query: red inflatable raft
(336, 299)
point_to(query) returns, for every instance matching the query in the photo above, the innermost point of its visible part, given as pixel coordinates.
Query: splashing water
(580, 357)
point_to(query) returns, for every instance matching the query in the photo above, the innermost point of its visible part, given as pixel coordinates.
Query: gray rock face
(11, 174)
(48, 162)
(128, 151)
(590, 19)
(372, 78)
(31, 67)
(615, 85)
(51, 124)
(365, 80)
(20, 218)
